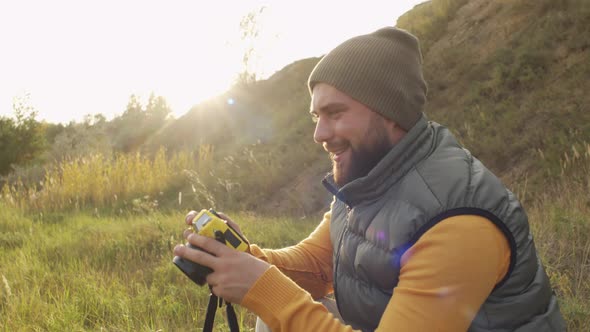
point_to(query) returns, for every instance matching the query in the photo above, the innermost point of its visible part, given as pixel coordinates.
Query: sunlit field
(77, 272)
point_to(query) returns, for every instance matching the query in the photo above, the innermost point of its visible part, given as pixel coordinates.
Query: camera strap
(215, 302)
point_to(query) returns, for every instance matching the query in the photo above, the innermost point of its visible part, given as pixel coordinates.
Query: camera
(209, 223)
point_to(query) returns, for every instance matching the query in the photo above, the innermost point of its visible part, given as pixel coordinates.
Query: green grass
(78, 272)
(81, 273)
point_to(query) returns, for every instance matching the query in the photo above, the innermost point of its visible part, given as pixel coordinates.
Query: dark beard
(365, 157)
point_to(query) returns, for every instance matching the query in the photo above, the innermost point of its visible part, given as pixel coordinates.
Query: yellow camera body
(208, 223)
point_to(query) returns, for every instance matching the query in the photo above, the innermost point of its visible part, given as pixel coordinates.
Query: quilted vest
(426, 178)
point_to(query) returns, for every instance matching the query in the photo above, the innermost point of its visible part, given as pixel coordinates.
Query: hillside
(262, 142)
(508, 78)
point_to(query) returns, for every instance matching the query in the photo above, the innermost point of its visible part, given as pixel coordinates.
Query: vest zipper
(348, 209)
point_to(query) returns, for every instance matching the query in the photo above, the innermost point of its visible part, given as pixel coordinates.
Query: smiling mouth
(336, 155)
(336, 149)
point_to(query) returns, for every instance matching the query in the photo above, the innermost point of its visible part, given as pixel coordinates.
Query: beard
(365, 156)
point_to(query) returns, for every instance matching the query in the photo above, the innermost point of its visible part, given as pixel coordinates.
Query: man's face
(356, 137)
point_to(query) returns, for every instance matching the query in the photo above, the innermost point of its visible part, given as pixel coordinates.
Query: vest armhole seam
(471, 211)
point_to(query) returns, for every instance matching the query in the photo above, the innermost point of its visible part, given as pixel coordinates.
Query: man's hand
(234, 272)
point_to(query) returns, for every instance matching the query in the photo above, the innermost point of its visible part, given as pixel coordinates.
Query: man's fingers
(223, 216)
(212, 279)
(230, 222)
(187, 232)
(210, 245)
(197, 256)
(234, 226)
(190, 216)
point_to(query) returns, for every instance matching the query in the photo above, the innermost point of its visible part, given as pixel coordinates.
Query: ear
(396, 132)
(392, 126)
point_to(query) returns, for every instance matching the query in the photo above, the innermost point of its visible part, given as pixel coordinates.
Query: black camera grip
(196, 272)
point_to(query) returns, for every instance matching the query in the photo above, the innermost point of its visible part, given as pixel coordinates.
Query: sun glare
(78, 58)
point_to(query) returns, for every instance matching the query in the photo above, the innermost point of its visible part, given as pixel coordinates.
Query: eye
(335, 114)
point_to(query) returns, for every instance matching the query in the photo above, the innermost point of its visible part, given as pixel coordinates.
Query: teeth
(335, 153)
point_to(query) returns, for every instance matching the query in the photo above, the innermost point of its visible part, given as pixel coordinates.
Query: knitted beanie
(382, 70)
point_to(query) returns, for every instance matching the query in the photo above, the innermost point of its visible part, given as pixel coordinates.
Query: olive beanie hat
(382, 70)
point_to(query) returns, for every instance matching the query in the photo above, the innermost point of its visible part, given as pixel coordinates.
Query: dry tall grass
(97, 181)
(560, 222)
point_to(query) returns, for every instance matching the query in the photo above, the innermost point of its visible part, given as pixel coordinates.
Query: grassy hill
(508, 78)
(261, 142)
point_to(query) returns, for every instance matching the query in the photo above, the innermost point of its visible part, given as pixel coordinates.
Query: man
(420, 235)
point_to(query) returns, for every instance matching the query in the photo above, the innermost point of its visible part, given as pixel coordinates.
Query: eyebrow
(330, 107)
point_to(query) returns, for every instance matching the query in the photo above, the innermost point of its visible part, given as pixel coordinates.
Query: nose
(323, 132)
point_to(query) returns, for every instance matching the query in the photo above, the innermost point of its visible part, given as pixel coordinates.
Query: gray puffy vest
(428, 177)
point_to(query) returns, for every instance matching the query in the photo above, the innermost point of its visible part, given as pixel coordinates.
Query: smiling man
(420, 235)
(356, 137)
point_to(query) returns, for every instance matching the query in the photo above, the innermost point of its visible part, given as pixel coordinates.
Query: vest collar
(410, 150)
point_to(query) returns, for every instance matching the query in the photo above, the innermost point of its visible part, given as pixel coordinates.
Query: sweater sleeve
(445, 297)
(430, 296)
(309, 263)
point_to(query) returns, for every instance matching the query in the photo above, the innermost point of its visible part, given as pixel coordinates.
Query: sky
(71, 58)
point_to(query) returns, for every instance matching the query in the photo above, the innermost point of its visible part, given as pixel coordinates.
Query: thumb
(230, 222)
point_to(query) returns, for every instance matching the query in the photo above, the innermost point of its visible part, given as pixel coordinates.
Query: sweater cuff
(257, 252)
(270, 294)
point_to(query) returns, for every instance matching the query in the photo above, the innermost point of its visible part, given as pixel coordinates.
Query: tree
(81, 139)
(138, 123)
(22, 138)
(250, 29)
(7, 149)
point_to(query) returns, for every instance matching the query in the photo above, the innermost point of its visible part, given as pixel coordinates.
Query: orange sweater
(445, 278)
